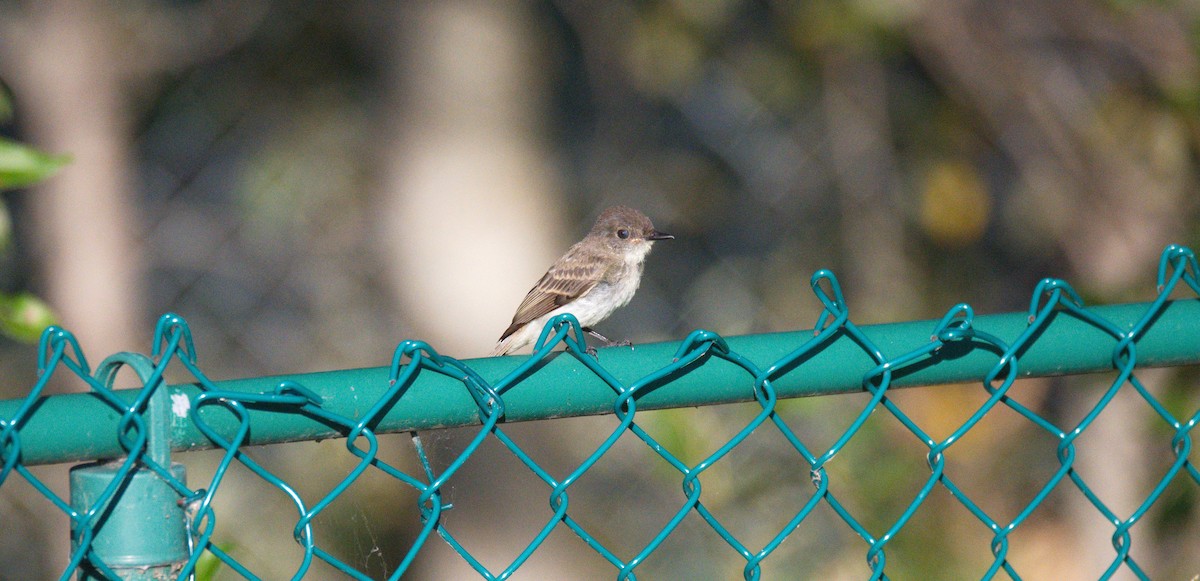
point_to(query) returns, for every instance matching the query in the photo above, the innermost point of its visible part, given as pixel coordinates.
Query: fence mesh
(145, 442)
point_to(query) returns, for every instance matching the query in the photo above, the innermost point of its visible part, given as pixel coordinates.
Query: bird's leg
(607, 342)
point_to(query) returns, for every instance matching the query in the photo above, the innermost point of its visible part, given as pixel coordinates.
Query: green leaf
(21, 165)
(208, 565)
(23, 316)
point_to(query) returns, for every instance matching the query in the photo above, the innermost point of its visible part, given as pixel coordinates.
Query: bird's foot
(607, 342)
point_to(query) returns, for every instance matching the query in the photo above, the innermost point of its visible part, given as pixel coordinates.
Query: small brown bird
(595, 277)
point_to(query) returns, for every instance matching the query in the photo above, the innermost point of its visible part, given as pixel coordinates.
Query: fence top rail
(564, 384)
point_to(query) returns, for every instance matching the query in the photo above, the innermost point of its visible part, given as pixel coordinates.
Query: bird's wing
(568, 279)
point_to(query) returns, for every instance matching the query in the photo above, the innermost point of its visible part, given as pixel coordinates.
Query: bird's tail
(514, 339)
(502, 347)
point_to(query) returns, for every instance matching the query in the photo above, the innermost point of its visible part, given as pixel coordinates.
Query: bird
(596, 276)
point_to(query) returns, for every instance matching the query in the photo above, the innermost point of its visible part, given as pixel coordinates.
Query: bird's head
(624, 228)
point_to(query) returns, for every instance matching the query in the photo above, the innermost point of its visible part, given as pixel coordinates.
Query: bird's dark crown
(623, 222)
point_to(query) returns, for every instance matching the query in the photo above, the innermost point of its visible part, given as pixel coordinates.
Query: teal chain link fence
(134, 514)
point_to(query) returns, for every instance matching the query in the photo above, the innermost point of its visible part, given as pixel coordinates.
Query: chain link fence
(135, 514)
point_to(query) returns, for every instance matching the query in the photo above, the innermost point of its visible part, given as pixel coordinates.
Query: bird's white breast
(609, 295)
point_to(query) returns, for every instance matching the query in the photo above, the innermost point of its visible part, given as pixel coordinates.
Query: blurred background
(309, 183)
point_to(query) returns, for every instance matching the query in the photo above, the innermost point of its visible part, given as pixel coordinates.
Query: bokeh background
(309, 183)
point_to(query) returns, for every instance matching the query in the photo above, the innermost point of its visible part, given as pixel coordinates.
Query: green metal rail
(563, 386)
(134, 516)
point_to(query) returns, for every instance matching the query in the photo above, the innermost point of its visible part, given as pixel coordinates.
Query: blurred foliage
(954, 204)
(21, 165)
(208, 567)
(23, 315)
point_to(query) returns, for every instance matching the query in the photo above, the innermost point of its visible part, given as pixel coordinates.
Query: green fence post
(141, 534)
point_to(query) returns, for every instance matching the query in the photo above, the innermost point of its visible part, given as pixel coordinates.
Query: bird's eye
(622, 234)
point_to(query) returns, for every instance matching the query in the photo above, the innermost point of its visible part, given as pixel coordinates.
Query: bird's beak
(656, 235)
